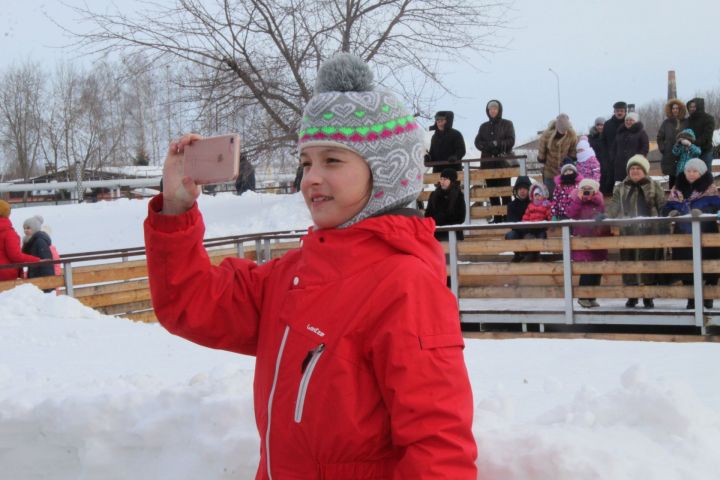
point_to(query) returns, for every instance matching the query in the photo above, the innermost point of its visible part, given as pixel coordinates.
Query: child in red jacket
(539, 210)
(359, 368)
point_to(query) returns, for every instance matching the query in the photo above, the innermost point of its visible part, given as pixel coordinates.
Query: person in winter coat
(685, 149)
(588, 164)
(638, 195)
(597, 143)
(539, 210)
(667, 134)
(703, 124)
(586, 204)
(10, 251)
(610, 130)
(630, 140)
(695, 192)
(447, 203)
(516, 210)
(447, 144)
(565, 185)
(37, 243)
(496, 138)
(246, 178)
(557, 142)
(359, 369)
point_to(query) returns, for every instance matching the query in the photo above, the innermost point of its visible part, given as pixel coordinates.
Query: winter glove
(427, 158)
(554, 218)
(685, 142)
(600, 217)
(673, 213)
(695, 212)
(452, 159)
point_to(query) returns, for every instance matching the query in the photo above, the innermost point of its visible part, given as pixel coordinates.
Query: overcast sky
(602, 51)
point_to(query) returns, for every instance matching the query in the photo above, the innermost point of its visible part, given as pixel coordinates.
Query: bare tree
(652, 115)
(21, 91)
(257, 59)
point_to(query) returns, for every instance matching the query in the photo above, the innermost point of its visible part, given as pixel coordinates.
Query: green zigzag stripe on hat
(363, 130)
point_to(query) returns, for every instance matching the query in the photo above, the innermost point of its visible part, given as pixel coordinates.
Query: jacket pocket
(443, 340)
(308, 367)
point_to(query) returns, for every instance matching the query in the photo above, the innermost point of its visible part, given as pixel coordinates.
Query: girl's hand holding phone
(179, 191)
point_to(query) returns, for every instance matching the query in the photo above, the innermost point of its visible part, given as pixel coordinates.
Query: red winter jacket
(359, 372)
(538, 213)
(10, 251)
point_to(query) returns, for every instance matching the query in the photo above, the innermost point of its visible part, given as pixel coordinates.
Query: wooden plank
(123, 308)
(644, 291)
(145, 317)
(487, 192)
(499, 246)
(104, 300)
(476, 175)
(109, 275)
(480, 211)
(110, 288)
(622, 337)
(605, 268)
(41, 282)
(511, 292)
(514, 281)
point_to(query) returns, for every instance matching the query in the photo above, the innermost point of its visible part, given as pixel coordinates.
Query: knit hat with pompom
(348, 112)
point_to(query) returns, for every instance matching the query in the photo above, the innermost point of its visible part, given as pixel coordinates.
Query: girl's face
(636, 173)
(538, 198)
(675, 110)
(444, 183)
(336, 184)
(28, 231)
(691, 174)
(629, 122)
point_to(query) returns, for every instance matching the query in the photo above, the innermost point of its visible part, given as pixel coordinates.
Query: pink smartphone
(213, 159)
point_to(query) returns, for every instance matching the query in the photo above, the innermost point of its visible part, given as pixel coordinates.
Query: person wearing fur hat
(586, 204)
(703, 124)
(516, 211)
(695, 193)
(352, 330)
(685, 149)
(557, 142)
(631, 139)
(565, 185)
(638, 195)
(447, 203)
(10, 251)
(539, 210)
(496, 138)
(674, 123)
(447, 144)
(37, 243)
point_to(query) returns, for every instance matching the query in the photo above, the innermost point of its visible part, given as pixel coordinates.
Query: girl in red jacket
(539, 210)
(359, 365)
(10, 251)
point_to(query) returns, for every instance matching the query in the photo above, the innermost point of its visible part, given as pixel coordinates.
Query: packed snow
(89, 396)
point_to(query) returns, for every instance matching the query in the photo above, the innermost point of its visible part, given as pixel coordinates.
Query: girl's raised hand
(179, 191)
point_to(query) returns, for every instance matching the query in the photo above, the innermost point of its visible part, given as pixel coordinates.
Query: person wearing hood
(538, 210)
(695, 193)
(496, 138)
(359, 368)
(447, 144)
(10, 251)
(565, 185)
(557, 142)
(685, 149)
(638, 195)
(447, 204)
(516, 210)
(674, 123)
(631, 140)
(588, 164)
(703, 124)
(37, 243)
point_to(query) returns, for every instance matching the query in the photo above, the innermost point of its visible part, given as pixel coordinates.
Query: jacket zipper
(314, 356)
(270, 400)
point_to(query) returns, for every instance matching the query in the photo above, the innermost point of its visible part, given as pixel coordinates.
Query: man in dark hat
(608, 136)
(447, 144)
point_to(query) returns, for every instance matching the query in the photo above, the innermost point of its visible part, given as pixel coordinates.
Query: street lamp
(557, 77)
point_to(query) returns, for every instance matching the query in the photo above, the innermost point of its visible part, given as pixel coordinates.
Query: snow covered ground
(87, 396)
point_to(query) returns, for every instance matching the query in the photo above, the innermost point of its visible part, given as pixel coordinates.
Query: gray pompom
(344, 72)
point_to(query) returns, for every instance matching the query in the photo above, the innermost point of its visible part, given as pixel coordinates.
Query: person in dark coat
(597, 143)
(447, 144)
(631, 140)
(695, 192)
(37, 243)
(607, 182)
(447, 203)
(10, 245)
(703, 124)
(496, 138)
(246, 178)
(674, 123)
(516, 209)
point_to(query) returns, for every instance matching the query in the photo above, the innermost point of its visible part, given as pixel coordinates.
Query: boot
(648, 303)
(585, 303)
(691, 304)
(531, 257)
(594, 303)
(631, 302)
(518, 257)
(708, 303)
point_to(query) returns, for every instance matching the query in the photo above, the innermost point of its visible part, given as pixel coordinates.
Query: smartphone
(213, 159)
